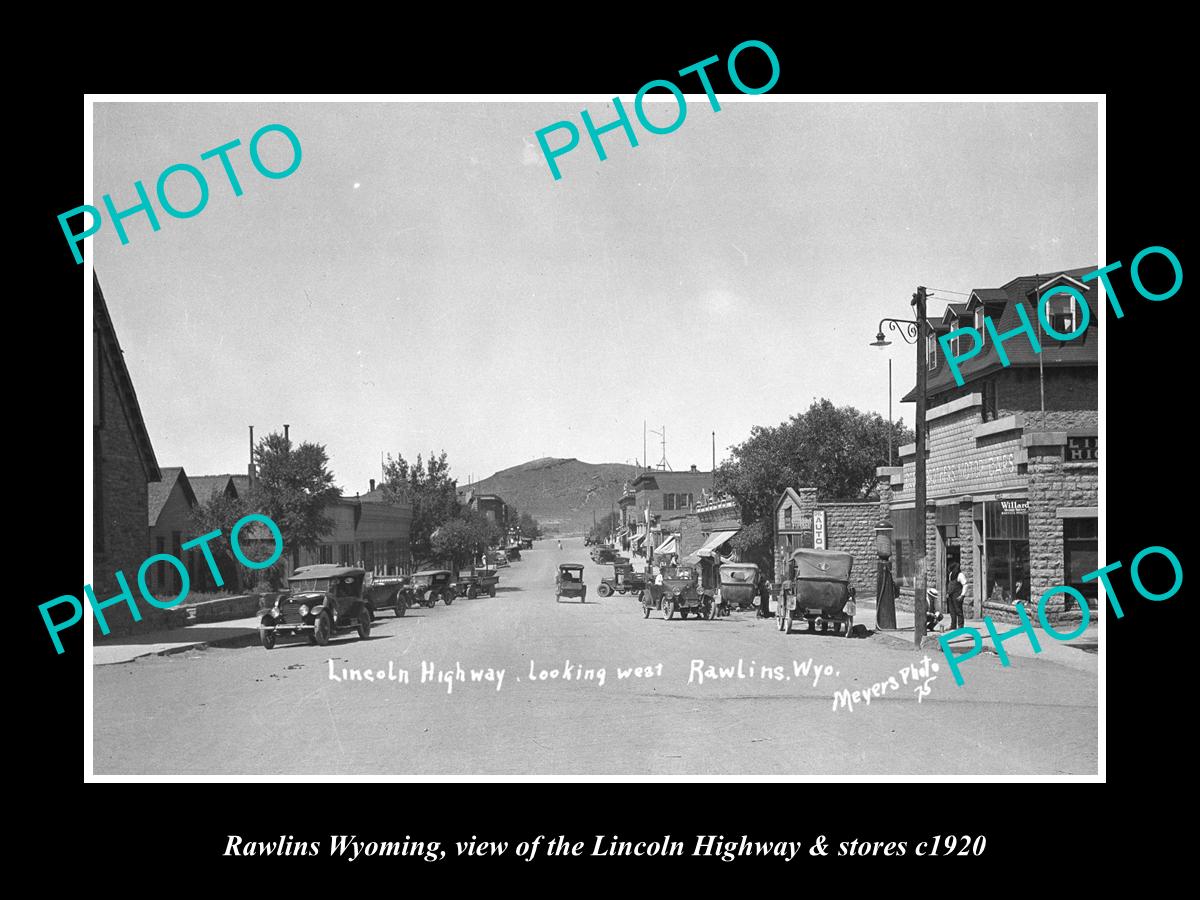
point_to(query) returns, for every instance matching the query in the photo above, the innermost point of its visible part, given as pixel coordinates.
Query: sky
(422, 283)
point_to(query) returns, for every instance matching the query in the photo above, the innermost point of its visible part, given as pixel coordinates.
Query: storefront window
(1081, 556)
(1006, 540)
(902, 545)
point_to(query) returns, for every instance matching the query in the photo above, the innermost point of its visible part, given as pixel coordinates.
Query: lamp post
(915, 332)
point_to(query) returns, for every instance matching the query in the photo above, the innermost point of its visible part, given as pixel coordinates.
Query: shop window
(1006, 550)
(1081, 556)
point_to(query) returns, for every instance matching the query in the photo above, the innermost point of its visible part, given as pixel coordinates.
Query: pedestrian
(560, 544)
(955, 589)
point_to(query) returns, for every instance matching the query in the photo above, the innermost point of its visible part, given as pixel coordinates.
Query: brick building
(123, 463)
(658, 502)
(1011, 457)
(803, 520)
(367, 531)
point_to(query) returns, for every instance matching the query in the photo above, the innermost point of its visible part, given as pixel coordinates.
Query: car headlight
(303, 610)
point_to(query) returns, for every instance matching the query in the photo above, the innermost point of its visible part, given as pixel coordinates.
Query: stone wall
(851, 527)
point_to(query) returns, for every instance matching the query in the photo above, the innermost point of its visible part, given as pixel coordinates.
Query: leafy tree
(431, 491)
(605, 526)
(464, 539)
(834, 449)
(220, 513)
(529, 526)
(293, 487)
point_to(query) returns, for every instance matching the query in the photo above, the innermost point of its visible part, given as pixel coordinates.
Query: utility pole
(919, 301)
(890, 426)
(714, 468)
(645, 456)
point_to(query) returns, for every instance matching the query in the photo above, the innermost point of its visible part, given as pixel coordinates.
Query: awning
(636, 539)
(667, 547)
(715, 540)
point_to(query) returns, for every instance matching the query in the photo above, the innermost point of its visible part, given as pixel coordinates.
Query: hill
(562, 494)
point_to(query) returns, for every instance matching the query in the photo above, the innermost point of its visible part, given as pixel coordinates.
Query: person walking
(956, 587)
(560, 544)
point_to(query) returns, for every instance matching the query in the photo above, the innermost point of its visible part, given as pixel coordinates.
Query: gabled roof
(788, 494)
(102, 322)
(159, 492)
(242, 484)
(954, 311)
(204, 486)
(1082, 351)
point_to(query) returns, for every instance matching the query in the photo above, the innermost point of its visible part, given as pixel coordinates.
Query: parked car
(680, 593)
(513, 553)
(392, 592)
(322, 601)
(623, 581)
(474, 582)
(432, 585)
(818, 589)
(569, 582)
(497, 558)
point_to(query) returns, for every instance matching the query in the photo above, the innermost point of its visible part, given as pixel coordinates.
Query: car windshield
(310, 584)
(422, 580)
(572, 575)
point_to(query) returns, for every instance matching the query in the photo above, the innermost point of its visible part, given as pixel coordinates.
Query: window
(669, 501)
(160, 547)
(990, 412)
(1006, 548)
(325, 554)
(980, 326)
(787, 517)
(1080, 556)
(1062, 314)
(931, 351)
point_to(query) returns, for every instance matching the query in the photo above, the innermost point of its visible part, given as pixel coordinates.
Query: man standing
(955, 589)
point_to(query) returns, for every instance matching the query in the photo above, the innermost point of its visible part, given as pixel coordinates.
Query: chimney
(694, 469)
(285, 432)
(372, 484)
(250, 469)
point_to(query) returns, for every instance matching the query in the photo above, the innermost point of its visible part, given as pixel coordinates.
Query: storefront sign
(819, 529)
(1014, 507)
(1082, 449)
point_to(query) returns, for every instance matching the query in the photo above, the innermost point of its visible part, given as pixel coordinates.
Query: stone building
(123, 463)
(1011, 457)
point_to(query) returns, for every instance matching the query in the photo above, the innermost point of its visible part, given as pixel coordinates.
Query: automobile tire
(824, 626)
(322, 628)
(645, 610)
(491, 592)
(447, 597)
(668, 609)
(401, 606)
(267, 636)
(604, 590)
(364, 624)
(472, 592)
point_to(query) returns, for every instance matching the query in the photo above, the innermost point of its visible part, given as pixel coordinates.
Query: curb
(232, 642)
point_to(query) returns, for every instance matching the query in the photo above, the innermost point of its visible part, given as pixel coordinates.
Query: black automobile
(323, 600)
(392, 592)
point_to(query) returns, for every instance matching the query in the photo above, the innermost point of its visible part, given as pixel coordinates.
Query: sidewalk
(1076, 653)
(116, 648)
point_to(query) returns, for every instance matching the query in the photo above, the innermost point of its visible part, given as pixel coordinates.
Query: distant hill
(559, 493)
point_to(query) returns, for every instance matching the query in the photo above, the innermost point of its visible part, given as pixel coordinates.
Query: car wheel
(668, 609)
(472, 592)
(447, 597)
(604, 590)
(683, 613)
(322, 629)
(645, 609)
(364, 624)
(401, 606)
(492, 592)
(267, 636)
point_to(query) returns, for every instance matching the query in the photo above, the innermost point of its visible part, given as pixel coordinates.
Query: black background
(166, 835)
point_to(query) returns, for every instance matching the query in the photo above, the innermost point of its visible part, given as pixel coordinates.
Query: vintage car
(322, 601)
(392, 592)
(497, 559)
(739, 585)
(601, 554)
(569, 582)
(526, 543)
(623, 581)
(513, 553)
(431, 585)
(817, 588)
(681, 593)
(475, 581)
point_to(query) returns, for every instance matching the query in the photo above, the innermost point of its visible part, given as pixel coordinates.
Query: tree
(605, 526)
(220, 513)
(465, 538)
(430, 490)
(529, 527)
(293, 488)
(834, 449)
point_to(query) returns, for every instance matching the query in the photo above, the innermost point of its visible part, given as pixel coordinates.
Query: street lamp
(913, 332)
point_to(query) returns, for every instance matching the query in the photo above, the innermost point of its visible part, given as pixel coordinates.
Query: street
(255, 712)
